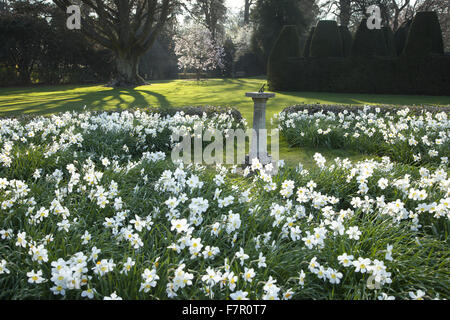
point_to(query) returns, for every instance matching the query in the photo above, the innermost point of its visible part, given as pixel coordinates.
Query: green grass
(176, 93)
(45, 100)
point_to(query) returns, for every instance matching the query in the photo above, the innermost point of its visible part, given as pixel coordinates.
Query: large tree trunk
(127, 27)
(127, 72)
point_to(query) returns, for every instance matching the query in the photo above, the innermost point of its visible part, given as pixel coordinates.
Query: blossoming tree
(197, 50)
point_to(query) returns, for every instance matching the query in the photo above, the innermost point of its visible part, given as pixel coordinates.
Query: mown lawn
(46, 100)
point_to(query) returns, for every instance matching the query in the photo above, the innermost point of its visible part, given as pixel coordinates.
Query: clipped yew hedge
(368, 43)
(375, 75)
(286, 46)
(374, 65)
(424, 36)
(307, 46)
(389, 38)
(401, 35)
(347, 40)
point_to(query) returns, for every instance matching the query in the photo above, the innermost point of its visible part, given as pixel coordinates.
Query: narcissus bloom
(239, 295)
(179, 225)
(35, 277)
(362, 265)
(113, 296)
(418, 295)
(345, 260)
(88, 293)
(249, 274)
(3, 268)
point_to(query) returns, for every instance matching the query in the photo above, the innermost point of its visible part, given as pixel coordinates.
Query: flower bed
(405, 135)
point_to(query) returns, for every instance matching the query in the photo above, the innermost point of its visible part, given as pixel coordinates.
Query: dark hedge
(248, 63)
(389, 37)
(286, 46)
(368, 43)
(401, 35)
(424, 36)
(376, 75)
(373, 65)
(347, 40)
(307, 47)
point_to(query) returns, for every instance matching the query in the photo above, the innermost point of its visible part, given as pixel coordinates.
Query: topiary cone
(369, 43)
(390, 41)
(326, 40)
(286, 46)
(401, 35)
(425, 35)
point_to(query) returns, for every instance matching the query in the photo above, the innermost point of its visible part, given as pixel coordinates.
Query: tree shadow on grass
(96, 100)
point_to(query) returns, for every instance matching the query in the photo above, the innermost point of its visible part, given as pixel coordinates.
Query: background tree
(38, 48)
(211, 13)
(394, 12)
(245, 61)
(242, 39)
(205, 55)
(160, 62)
(442, 8)
(398, 7)
(22, 32)
(229, 52)
(70, 57)
(342, 9)
(127, 27)
(247, 5)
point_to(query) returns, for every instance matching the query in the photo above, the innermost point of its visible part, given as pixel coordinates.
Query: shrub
(375, 75)
(390, 41)
(425, 35)
(401, 35)
(347, 40)
(286, 46)
(368, 43)
(326, 40)
(8, 76)
(248, 63)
